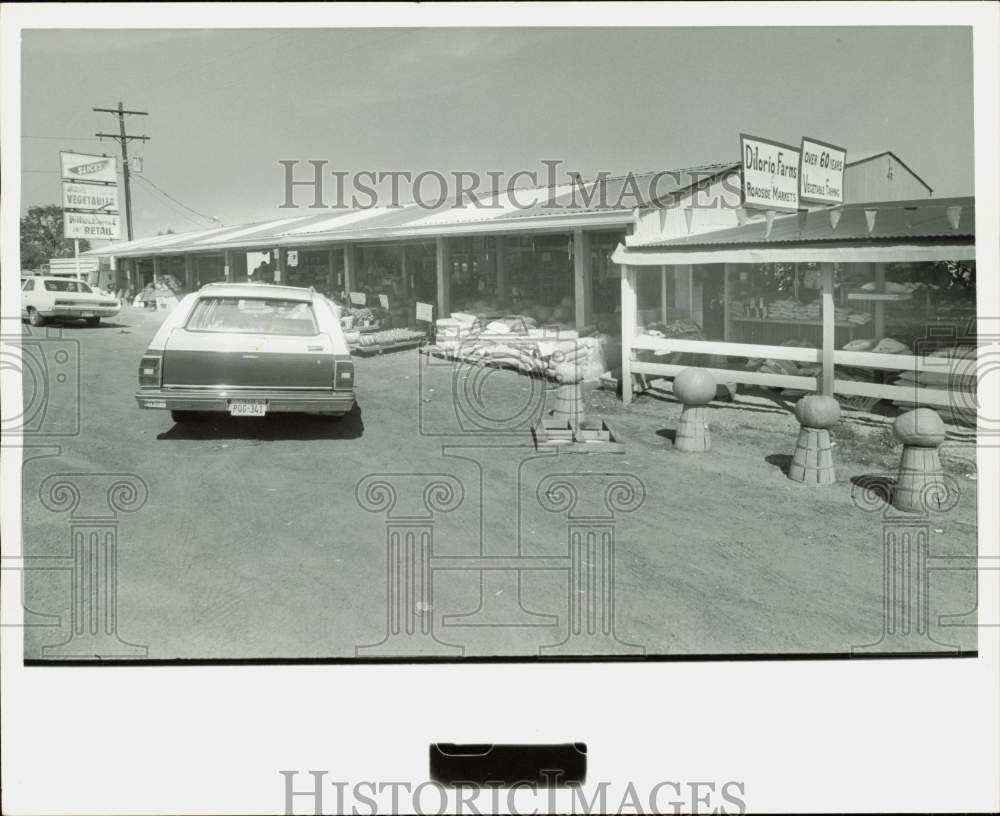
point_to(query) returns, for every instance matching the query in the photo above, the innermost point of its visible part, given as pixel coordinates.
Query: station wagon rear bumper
(218, 399)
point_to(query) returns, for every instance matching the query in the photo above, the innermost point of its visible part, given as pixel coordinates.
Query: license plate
(86, 314)
(247, 408)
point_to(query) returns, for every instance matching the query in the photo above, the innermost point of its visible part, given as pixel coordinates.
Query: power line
(64, 138)
(176, 211)
(209, 218)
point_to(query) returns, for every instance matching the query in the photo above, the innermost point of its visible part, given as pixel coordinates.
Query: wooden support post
(227, 265)
(281, 270)
(582, 278)
(727, 273)
(189, 272)
(349, 271)
(501, 269)
(663, 294)
(829, 330)
(443, 277)
(331, 270)
(156, 268)
(403, 273)
(697, 311)
(879, 305)
(682, 288)
(628, 329)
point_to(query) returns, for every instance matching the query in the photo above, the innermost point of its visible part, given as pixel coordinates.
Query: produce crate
(551, 432)
(593, 430)
(589, 436)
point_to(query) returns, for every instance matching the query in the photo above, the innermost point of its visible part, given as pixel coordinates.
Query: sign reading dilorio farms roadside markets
(770, 174)
(821, 172)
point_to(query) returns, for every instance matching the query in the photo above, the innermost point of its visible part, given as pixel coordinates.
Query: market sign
(89, 197)
(821, 172)
(770, 174)
(84, 167)
(90, 225)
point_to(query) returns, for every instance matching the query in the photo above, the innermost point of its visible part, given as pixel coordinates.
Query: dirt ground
(267, 538)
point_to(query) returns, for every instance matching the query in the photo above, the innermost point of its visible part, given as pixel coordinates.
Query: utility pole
(124, 138)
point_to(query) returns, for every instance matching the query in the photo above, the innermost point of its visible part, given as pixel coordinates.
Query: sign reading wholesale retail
(89, 197)
(770, 174)
(84, 167)
(821, 172)
(90, 225)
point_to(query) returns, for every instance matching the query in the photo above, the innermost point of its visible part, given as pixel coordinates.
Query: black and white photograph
(393, 350)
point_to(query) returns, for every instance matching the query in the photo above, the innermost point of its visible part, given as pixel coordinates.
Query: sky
(226, 105)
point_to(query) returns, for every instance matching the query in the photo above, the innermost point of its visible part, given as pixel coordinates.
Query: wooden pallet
(371, 351)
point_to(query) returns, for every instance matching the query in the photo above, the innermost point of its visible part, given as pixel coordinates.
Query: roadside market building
(871, 300)
(545, 249)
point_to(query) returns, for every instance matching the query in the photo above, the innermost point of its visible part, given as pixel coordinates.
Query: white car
(51, 298)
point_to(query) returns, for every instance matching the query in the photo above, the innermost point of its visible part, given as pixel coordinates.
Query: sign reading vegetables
(770, 174)
(822, 172)
(89, 197)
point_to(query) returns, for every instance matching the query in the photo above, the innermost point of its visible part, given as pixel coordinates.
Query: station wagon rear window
(253, 316)
(66, 286)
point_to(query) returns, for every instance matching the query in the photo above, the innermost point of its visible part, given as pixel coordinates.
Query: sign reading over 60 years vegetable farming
(770, 174)
(822, 172)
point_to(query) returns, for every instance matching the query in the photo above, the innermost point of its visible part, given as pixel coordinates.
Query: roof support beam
(817, 252)
(582, 278)
(443, 277)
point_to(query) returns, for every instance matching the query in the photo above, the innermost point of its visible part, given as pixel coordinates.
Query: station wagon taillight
(149, 372)
(343, 375)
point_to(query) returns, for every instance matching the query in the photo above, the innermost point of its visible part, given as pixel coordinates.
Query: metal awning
(875, 232)
(605, 203)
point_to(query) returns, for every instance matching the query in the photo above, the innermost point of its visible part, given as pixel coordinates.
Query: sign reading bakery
(83, 167)
(822, 172)
(770, 174)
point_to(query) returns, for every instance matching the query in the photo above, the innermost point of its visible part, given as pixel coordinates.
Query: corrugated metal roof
(604, 202)
(919, 219)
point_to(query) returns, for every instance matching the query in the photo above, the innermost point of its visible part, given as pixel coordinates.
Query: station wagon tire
(185, 416)
(92, 321)
(34, 318)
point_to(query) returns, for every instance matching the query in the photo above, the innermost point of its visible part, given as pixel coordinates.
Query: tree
(42, 236)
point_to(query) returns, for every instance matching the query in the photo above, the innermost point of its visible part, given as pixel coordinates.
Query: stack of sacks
(793, 310)
(787, 367)
(451, 330)
(570, 360)
(957, 373)
(885, 345)
(893, 287)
